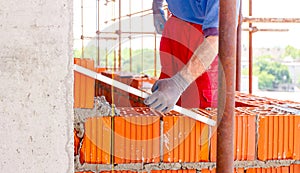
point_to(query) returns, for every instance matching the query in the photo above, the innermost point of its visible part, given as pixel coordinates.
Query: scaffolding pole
(226, 85)
(239, 50)
(250, 50)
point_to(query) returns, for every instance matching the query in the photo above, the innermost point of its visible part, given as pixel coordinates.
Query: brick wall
(141, 140)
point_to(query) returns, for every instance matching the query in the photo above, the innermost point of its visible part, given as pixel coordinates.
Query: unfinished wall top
(36, 86)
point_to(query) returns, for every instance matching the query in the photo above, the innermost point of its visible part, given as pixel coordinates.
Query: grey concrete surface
(36, 86)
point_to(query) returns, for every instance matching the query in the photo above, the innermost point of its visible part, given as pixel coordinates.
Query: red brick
(76, 143)
(244, 136)
(84, 87)
(96, 144)
(185, 140)
(140, 138)
(276, 138)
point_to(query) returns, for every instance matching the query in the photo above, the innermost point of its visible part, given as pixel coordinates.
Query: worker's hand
(166, 93)
(158, 17)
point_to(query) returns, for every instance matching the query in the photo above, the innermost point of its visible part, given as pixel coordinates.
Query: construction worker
(188, 55)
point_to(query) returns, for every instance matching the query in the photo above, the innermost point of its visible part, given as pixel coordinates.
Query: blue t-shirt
(203, 12)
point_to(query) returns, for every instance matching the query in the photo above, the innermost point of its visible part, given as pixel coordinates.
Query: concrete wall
(36, 86)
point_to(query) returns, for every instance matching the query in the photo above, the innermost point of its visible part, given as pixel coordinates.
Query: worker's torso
(188, 10)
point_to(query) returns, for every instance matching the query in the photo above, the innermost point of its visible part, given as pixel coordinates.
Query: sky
(274, 8)
(261, 8)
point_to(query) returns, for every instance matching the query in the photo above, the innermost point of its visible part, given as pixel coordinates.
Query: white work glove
(166, 93)
(158, 16)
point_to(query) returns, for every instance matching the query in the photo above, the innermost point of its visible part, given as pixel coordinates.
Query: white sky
(261, 8)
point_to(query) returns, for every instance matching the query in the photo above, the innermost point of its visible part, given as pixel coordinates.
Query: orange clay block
(296, 155)
(99, 140)
(181, 138)
(176, 138)
(187, 128)
(204, 141)
(119, 137)
(290, 151)
(285, 137)
(239, 170)
(90, 86)
(263, 138)
(139, 138)
(244, 137)
(239, 137)
(87, 135)
(280, 137)
(205, 171)
(192, 171)
(144, 139)
(252, 170)
(271, 137)
(150, 139)
(276, 136)
(106, 151)
(133, 139)
(127, 139)
(251, 138)
(76, 143)
(167, 141)
(192, 137)
(156, 137)
(94, 134)
(213, 141)
(295, 168)
(235, 136)
(198, 143)
(77, 85)
(82, 150)
(285, 169)
(82, 86)
(174, 171)
(275, 170)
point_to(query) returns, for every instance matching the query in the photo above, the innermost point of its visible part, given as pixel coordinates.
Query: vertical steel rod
(250, 50)
(155, 57)
(226, 89)
(239, 50)
(120, 37)
(142, 39)
(115, 59)
(98, 32)
(106, 55)
(82, 39)
(130, 43)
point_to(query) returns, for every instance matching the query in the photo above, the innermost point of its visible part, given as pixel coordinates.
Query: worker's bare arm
(201, 60)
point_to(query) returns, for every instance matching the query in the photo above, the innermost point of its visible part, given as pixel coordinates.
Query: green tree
(142, 60)
(265, 80)
(270, 71)
(292, 52)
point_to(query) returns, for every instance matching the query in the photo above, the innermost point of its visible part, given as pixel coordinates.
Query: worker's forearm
(156, 5)
(201, 60)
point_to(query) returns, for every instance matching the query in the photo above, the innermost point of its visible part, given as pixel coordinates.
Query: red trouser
(179, 41)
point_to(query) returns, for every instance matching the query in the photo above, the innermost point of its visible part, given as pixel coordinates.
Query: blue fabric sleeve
(157, 6)
(211, 21)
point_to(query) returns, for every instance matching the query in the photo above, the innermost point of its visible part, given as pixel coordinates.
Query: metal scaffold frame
(229, 82)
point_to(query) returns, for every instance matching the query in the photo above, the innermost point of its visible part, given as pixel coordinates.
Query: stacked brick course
(137, 139)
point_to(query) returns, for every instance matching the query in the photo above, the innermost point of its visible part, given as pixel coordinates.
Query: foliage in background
(292, 52)
(142, 60)
(269, 72)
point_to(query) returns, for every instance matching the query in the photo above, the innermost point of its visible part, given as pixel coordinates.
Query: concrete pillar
(36, 86)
